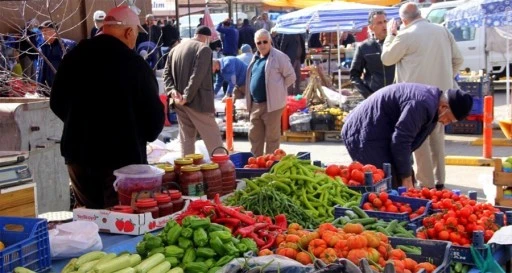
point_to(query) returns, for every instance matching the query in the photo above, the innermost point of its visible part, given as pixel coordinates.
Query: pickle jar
(169, 176)
(227, 168)
(147, 205)
(212, 177)
(178, 163)
(165, 206)
(197, 158)
(191, 180)
(177, 200)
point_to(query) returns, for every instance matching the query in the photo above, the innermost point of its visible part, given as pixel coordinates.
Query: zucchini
(126, 270)
(20, 269)
(149, 263)
(162, 267)
(113, 265)
(135, 259)
(88, 266)
(107, 257)
(87, 257)
(176, 270)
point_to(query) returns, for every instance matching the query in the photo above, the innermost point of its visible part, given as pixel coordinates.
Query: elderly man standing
(268, 77)
(367, 60)
(188, 83)
(424, 53)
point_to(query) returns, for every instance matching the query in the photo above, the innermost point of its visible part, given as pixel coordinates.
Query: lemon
(2, 246)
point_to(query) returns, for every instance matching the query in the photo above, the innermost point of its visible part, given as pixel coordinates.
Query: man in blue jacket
(229, 38)
(389, 125)
(233, 71)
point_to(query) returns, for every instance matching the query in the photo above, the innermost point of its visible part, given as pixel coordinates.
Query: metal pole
(189, 21)
(177, 7)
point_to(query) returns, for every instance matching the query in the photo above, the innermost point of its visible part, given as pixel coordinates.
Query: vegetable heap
(306, 186)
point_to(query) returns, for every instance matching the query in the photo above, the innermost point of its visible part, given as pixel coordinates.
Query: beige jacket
(423, 53)
(279, 75)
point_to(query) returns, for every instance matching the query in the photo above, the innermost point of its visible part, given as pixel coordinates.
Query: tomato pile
(459, 217)
(381, 202)
(264, 161)
(353, 174)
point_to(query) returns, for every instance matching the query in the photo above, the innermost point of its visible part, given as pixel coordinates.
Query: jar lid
(195, 156)
(209, 166)
(190, 168)
(162, 198)
(220, 158)
(175, 194)
(122, 208)
(183, 161)
(146, 203)
(166, 167)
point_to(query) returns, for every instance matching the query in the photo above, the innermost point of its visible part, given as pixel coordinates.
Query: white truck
(471, 40)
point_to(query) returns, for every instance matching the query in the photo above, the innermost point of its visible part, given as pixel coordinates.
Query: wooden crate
(18, 200)
(311, 136)
(501, 180)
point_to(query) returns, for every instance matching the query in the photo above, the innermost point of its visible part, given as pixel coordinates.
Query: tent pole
(339, 61)
(507, 83)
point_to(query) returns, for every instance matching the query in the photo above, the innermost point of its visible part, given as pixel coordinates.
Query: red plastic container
(132, 179)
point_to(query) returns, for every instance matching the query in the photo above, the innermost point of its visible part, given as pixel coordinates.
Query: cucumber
(350, 214)
(149, 263)
(107, 257)
(88, 266)
(176, 270)
(135, 259)
(20, 269)
(364, 221)
(357, 210)
(87, 257)
(162, 267)
(126, 270)
(113, 265)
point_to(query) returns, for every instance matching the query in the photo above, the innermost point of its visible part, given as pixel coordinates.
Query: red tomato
(344, 173)
(280, 152)
(332, 170)
(269, 164)
(357, 175)
(355, 166)
(377, 203)
(252, 160)
(369, 168)
(254, 166)
(353, 183)
(261, 161)
(392, 208)
(367, 206)
(443, 235)
(247, 166)
(372, 197)
(383, 196)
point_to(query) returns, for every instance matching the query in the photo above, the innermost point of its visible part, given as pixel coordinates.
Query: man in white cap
(107, 97)
(98, 17)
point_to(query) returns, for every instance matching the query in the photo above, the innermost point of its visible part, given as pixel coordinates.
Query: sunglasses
(262, 42)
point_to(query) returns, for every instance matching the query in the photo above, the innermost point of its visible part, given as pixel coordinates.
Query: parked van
(188, 28)
(471, 40)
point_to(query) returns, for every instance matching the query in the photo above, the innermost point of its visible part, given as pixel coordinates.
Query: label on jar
(195, 189)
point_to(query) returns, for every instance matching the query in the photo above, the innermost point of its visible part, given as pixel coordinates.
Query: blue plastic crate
(480, 88)
(27, 244)
(240, 160)
(478, 106)
(432, 251)
(415, 204)
(383, 185)
(471, 127)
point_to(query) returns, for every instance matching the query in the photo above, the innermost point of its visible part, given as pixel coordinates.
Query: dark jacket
(367, 60)
(229, 39)
(107, 97)
(154, 34)
(54, 54)
(392, 123)
(25, 47)
(246, 36)
(170, 35)
(291, 45)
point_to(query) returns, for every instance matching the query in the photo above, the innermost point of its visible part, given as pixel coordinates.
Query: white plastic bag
(74, 239)
(485, 180)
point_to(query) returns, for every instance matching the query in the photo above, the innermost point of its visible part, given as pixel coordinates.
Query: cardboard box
(18, 200)
(126, 223)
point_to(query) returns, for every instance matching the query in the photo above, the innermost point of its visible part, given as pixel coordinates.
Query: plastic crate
(471, 127)
(479, 88)
(415, 204)
(27, 244)
(339, 211)
(383, 185)
(240, 159)
(432, 251)
(478, 106)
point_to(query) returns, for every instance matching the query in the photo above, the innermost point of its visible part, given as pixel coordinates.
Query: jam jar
(191, 180)
(227, 168)
(178, 163)
(212, 177)
(165, 206)
(147, 205)
(177, 201)
(169, 175)
(122, 209)
(197, 158)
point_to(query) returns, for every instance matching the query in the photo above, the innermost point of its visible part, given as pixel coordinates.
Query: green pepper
(242, 247)
(169, 225)
(235, 241)
(190, 256)
(200, 237)
(173, 261)
(200, 223)
(187, 232)
(250, 243)
(224, 260)
(184, 243)
(224, 236)
(216, 227)
(210, 262)
(141, 249)
(174, 251)
(231, 249)
(187, 220)
(156, 250)
(147, 236)
(214, 269)
(205, 252)
(196, 267)
(173, 234)
(218, 246)
(153, 242)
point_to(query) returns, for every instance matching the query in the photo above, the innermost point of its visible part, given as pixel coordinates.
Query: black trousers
(93, 186)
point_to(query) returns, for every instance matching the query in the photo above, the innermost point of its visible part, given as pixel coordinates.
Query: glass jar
(177, 201)
(178, 163)
(122, 209)
(164, 204)
(147, 205)
(191, 180)
(197, 158)
(212, 177)
(227, 168)
(169, 175)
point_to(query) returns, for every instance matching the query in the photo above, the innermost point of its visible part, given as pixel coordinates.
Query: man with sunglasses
(268, 77)
(367, 60)
(394, 121)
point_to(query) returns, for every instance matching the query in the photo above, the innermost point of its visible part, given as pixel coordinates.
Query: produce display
(353, 174)
(381, 202)
(264, 161)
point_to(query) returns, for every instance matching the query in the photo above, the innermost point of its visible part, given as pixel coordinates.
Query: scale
(13, 169)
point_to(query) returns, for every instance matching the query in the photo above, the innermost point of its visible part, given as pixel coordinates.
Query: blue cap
(246, 48)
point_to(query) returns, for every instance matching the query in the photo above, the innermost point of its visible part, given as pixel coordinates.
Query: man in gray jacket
(188, 83)
(268, 77)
